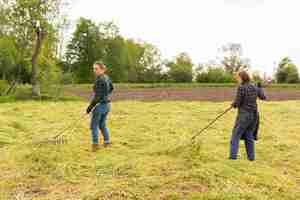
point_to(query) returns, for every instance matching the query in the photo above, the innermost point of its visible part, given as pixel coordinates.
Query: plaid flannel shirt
(103, 88)
(246, 97)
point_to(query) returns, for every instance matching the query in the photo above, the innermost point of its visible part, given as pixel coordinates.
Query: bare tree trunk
(34, 79)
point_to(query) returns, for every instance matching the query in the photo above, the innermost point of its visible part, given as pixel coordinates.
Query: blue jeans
(245, 126)
(98, 121)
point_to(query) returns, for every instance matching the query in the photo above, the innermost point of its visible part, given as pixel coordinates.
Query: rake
(59, 138)
(210, 124)
(193, 138)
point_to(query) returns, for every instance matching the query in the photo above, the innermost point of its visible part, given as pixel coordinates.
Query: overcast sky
(267, 29)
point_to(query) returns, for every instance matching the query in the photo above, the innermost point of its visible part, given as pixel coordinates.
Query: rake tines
(54, 141)
(60, 138)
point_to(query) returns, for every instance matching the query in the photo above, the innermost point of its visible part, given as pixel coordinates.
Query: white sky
(267, 29)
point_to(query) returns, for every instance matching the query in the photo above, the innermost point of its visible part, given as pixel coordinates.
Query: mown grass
(151, 157)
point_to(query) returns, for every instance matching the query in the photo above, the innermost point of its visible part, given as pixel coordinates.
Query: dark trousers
(245, 126)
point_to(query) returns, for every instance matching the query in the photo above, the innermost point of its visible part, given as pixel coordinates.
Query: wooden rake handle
(211, 123)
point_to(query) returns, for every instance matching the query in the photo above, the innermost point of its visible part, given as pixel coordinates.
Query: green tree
(293, 74)
(127, 60)
(109, 30)
(287, 72)
(135, 67)
(49, 74)
(144, 62)
(31, 22)
(281, 74)
(116, 59)
(91, 42)
(213, 74)
(8, 57)
(3, 18)
(85, 47)
(152, 64)
(181, 70)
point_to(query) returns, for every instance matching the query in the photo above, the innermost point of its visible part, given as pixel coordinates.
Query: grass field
(150, 157)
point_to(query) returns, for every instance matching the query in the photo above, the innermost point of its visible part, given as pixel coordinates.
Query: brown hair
(244, 76)
(100, 64)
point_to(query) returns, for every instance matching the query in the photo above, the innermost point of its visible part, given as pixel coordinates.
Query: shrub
(3, 86)
(67, 78)
(214, 75)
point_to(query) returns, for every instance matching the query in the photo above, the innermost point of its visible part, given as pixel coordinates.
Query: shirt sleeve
(99, 92)
(261, 94)
(239, 97)
(111, 86)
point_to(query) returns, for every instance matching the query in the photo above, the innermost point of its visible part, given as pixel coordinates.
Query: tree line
(33, 49)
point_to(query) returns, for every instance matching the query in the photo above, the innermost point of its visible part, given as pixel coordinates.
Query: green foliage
(181, 70)
(67, 78)
(91, 42)
(293, 74)
(281, 74)
(152, 63)
(50, 80)
(50, 75)
(3, 18)
(8, 57)
(3, 86)
(29, 18)
(85, 47)
(287, 72)
(127, 60)
(214, 75)
(134, 53)
(31, 23)
(116, 59)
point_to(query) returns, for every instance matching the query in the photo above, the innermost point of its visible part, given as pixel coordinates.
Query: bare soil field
(188, 94)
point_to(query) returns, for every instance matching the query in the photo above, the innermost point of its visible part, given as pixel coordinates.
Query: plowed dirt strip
(188, 94)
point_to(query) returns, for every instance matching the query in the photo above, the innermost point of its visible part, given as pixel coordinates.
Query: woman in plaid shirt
(247, 122)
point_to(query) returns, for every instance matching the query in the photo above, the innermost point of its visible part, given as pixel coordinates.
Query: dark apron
(250, 122)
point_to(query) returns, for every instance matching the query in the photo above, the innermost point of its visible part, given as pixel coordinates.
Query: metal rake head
(56, 141)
